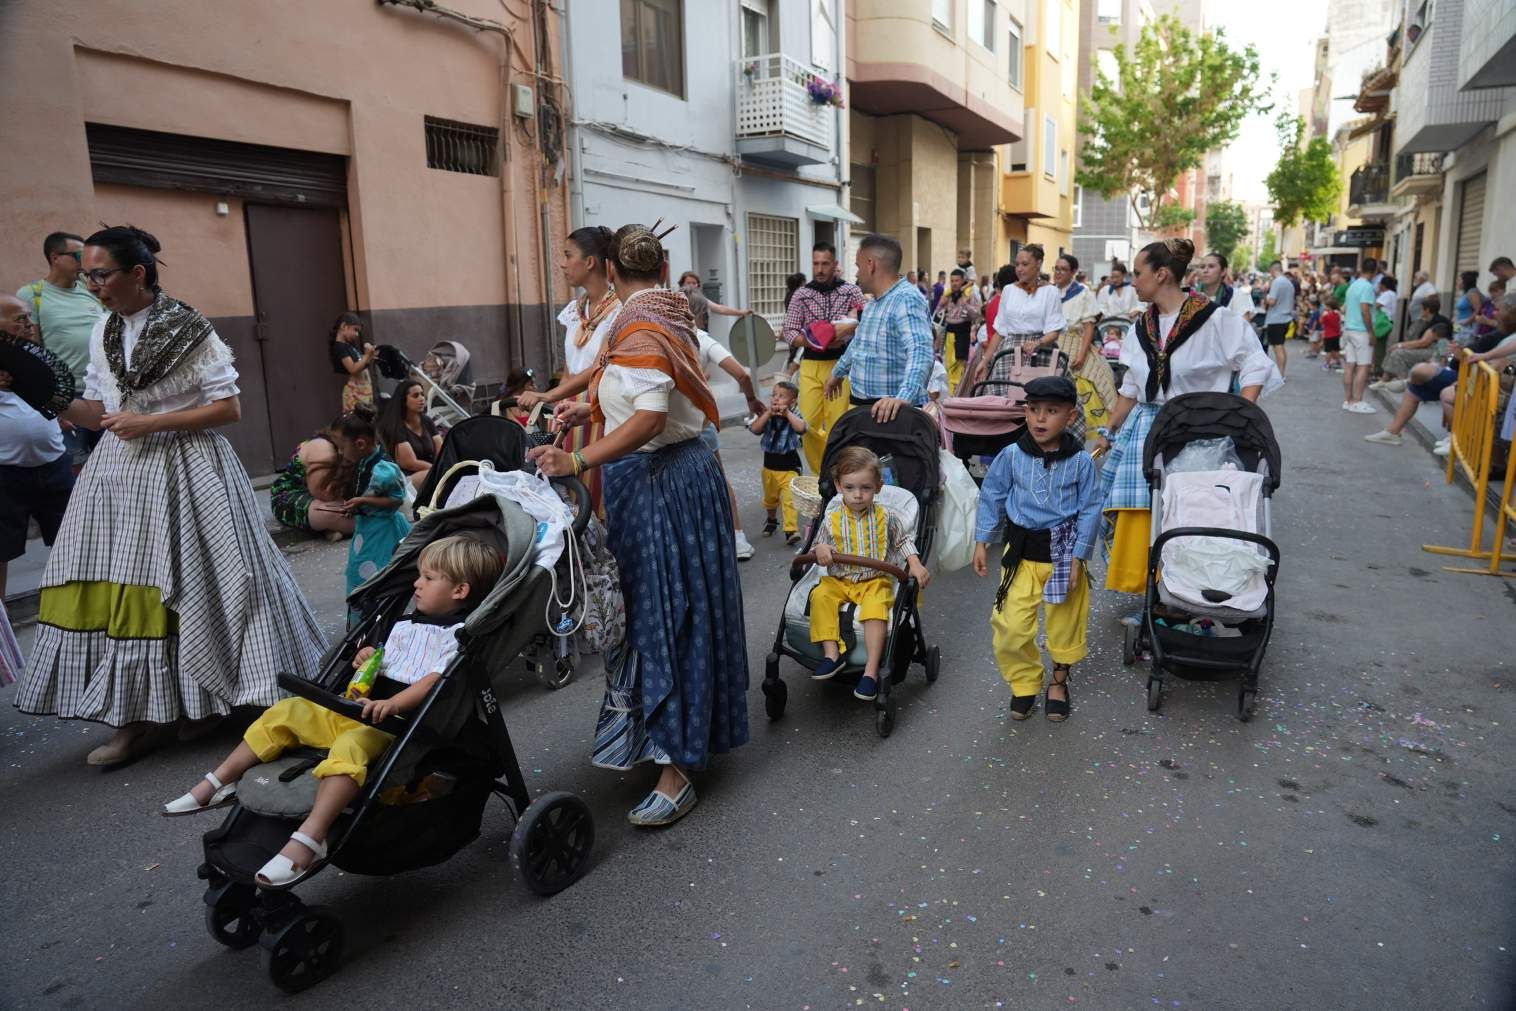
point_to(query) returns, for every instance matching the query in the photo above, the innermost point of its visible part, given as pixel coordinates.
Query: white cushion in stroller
(902, 504)
(1230, 499)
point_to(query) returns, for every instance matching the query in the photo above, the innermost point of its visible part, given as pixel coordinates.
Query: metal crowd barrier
(1475, 421)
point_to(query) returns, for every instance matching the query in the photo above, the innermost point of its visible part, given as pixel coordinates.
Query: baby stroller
(993, 416)
(1110, 332)
(1209, 601)
(448, 400)
(424, 799)
(908, 447)
(452, 478)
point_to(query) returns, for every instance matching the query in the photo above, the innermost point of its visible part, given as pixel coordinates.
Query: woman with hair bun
(676, 689)
(1087, 366)
(164, 601)
(1182, 343)
(587, 323)
(1030, 314)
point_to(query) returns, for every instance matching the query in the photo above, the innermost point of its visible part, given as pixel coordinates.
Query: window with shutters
(773, 252)
(1470, 224)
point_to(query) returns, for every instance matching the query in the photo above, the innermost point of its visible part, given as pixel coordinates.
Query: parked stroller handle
(581, 500)
(809, 558)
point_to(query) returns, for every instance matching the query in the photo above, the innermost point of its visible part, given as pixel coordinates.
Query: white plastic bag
(954, 546)
(533, 493)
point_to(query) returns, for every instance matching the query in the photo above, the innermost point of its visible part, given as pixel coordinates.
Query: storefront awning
(834, 212)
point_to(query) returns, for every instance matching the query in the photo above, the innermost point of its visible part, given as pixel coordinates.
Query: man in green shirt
(65, 313)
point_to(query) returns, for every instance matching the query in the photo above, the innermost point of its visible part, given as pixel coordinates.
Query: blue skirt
(676, 690)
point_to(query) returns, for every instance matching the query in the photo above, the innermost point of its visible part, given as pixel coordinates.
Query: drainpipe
(571, 138)
(544, 217)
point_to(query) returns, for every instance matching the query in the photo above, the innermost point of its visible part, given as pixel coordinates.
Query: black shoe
(792, 537)
(769, 526)
(1058, 710)
(1021, 706)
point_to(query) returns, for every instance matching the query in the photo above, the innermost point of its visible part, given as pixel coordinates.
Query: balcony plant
(824, 92)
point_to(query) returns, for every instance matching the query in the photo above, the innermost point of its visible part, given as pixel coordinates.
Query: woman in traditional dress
(587, 322)
(164, 601)
(677, 687)
(1213, 285)
(1087, 366)
(1030, 313)
(1181, 344)
(351, 356)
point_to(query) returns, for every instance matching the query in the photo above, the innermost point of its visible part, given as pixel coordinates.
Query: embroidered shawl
(656, 331)
(591, 318)
(1193, 313)
(174, 331)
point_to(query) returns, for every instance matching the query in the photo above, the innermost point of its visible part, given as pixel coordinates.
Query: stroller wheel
(555, 675)
(229, 916)
(552, 842)
(305, 952)
(884, 719)
(933, 664)
(1247, 698)
(1128, 645)
(775, 695)
(1155, 694)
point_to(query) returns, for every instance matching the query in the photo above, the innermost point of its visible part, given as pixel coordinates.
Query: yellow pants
(776, 494)
(952, 364)
(1014, 625)
(874, 598)
(350, 745)
(820, 413)
(1126, 570)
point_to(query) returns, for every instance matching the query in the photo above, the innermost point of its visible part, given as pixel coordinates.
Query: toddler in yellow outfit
(863, 528)
(455, 572)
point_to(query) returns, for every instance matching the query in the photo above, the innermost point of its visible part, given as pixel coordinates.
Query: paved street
(1350, 848)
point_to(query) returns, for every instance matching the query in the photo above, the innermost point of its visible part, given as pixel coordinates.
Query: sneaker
(1442, 449)
(769, 526)
(1362, 407)
(1385, 438)
(744, 549)
(867, 690)
(1347, 405)
(792, 537)
(826, 669)
(1395, 386)
(1379, 384)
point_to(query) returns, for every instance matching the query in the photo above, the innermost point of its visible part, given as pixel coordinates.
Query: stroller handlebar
(582, 501)
(340, 704)
(809, 558)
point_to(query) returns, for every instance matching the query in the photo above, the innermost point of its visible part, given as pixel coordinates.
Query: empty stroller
(424, 798)
(453, 479)
(908, 448)
(449, 400)
(1209, 605)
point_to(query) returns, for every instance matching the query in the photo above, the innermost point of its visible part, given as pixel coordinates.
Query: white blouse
(206, 377)
(575, 358)
(1204, 363)
(1039, 313)
(625, 391)
(1121, 302)
(1079, 308)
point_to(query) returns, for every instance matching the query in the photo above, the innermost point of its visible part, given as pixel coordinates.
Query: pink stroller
(993, 415)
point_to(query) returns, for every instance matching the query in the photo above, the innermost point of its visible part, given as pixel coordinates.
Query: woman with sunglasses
(164, 602)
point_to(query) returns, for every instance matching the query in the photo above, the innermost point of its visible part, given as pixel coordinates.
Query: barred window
(773, 252)
(462, 147)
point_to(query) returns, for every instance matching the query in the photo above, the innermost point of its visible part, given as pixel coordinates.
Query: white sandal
(281, 872)
(189, 805)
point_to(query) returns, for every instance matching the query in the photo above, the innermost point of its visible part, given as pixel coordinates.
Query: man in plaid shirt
(827, 298)
(889, 359)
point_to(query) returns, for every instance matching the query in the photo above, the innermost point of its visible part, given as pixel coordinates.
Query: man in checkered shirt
(890, 357)
(827, 298)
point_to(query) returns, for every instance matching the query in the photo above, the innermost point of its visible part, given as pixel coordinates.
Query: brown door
(298, 290)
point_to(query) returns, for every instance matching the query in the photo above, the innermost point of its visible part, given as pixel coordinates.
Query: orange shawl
(654, 331)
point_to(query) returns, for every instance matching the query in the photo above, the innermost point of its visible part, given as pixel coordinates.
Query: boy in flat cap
(1045, 489)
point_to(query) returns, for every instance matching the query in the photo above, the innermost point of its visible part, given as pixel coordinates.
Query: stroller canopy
(499, 440)
(912, 439)
(447, 364)
(1192, 416)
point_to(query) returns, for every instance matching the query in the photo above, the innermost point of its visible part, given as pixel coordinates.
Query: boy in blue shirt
(1046, 490)
(780, 426)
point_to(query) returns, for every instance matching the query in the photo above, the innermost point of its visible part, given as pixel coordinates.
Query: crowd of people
(165, 604)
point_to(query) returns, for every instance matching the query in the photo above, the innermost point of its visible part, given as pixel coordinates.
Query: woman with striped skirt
(676, 689)
(164, 601)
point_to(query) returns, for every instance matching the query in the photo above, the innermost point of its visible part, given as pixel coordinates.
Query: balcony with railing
(786, 112)
(1369, 191)
(1416, 174)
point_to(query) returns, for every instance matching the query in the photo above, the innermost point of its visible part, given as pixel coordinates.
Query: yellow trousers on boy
(777, 495)
(873, 598)
(1014, 624)
(350, 745)
(820, 414)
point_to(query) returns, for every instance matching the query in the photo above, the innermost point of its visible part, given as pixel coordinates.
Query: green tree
(1177, 95)
(1268, 252)
(1226, 225)
(1305, 182)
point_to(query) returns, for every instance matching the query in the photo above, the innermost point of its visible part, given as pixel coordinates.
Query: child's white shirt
(420, 645)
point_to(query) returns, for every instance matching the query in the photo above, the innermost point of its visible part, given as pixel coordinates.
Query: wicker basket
(806, 491)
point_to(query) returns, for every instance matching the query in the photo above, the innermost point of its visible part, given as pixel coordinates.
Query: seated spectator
(1430, 382)
(312, 490)
(1420, 345)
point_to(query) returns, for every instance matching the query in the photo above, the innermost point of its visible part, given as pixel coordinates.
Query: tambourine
(38, 376)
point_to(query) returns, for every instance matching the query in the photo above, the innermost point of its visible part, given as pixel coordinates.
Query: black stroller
(504, 444)
(424, 798)
(1189, 627)
(908, 445)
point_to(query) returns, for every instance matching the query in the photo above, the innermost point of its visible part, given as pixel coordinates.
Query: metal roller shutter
(1470, 224)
